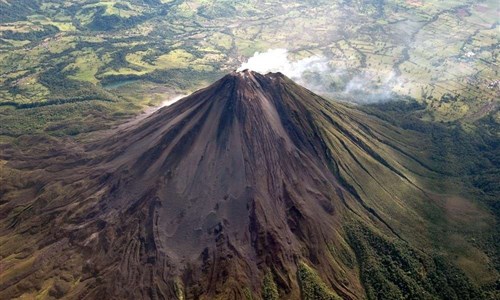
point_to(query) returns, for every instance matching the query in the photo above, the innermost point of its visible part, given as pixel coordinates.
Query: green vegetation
(469, 153)
(392, 270)
(269, 288)
(30, 35)
(248, 294)
(311, 285)
(465, 158)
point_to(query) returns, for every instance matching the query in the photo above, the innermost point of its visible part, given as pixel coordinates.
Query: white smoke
(318, 75)
(276, 60)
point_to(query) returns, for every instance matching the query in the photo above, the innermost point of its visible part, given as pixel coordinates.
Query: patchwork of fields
(441, 53)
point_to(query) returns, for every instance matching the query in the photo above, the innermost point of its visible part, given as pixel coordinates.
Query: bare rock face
(253, 177)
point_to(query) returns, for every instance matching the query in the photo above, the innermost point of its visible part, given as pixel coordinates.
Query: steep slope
(252, 187)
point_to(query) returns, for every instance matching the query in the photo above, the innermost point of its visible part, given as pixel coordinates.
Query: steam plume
(317, 74)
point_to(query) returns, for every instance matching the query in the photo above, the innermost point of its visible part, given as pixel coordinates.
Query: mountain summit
(251, 188)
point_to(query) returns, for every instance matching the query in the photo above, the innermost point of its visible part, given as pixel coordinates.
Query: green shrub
(269, 288)
(311, 285)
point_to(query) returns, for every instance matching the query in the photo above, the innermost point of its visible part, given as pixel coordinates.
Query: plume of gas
(317, 74)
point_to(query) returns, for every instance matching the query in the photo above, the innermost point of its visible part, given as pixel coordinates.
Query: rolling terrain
(251, 188)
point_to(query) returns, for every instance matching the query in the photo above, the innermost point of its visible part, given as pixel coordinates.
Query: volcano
(252, 188)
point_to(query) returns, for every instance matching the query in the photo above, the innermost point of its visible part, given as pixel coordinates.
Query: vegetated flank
(472, 154)
(51, 102)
